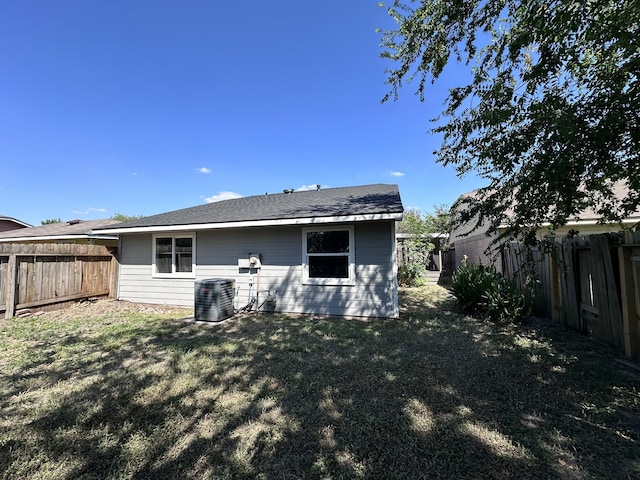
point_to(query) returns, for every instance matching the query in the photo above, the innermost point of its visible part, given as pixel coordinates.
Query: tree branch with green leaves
(549, 116)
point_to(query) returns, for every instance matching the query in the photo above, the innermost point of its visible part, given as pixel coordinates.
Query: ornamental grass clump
(481, 290)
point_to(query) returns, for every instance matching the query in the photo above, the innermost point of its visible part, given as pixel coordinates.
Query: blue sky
(141, 107)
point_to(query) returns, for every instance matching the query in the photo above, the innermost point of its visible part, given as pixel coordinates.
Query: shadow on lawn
(433, 395)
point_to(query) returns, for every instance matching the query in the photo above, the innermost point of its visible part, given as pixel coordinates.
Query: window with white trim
(174, 255)
(328, 256)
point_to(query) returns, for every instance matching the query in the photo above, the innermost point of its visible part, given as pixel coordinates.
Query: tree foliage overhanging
(550, 115)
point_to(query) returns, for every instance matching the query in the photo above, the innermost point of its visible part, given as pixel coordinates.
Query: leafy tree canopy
(412, 223)
(550, 113)
(438, 221)
(422, 224)
(123, 218)
(49, 221)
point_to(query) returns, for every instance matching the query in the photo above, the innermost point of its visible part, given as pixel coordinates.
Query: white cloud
(397, 174)
(313, 186)
(89, 210)
(222, 196)
(204, 170)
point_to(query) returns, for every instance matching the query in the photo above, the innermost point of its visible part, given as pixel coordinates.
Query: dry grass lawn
(138, 393)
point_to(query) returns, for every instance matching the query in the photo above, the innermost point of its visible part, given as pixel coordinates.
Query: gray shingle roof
(620, 190)
(60, 229)
(330, 202)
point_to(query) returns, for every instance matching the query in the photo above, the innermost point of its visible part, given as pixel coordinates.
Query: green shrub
(411, 275)
(412, 271)
(482, 290)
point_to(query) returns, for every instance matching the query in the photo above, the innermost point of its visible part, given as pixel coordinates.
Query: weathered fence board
(44, 275)
(4, 263)
(569, 296)
(609, 297)
(529, 269)
(591, 284)
(629, 265)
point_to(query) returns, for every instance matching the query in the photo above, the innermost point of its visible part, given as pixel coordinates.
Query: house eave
(15, 220)
(260, 223)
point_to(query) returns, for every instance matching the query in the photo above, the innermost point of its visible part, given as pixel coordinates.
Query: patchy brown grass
(123, 391)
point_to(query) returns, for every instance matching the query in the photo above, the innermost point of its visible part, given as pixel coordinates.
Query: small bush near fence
(411, 275)
(412, 268)
(482, 290)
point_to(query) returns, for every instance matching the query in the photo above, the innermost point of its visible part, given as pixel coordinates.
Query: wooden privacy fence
(530, 269)
(589, 283)
(48, 275)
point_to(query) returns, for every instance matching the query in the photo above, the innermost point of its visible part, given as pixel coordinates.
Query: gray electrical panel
(213, 299)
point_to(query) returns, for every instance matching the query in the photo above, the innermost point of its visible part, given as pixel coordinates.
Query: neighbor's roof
(72, 229)
(14, 220)
(620, 190)
(368, 202)
(586, 216)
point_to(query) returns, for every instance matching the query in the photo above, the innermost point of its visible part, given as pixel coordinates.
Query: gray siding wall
(217, 254)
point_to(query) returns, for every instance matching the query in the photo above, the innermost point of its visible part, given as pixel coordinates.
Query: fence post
(12, 275)
(555, 297)
(629, 296)
(114, 266)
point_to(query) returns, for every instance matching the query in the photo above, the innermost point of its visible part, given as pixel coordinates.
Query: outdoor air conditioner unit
(213, 299)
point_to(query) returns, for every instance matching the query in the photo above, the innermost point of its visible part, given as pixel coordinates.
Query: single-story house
(475, 243)
(74, 231)
(10, 223)
(326, 251)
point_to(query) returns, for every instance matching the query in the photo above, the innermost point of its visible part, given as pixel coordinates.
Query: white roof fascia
(260, 223)
(58, 237)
